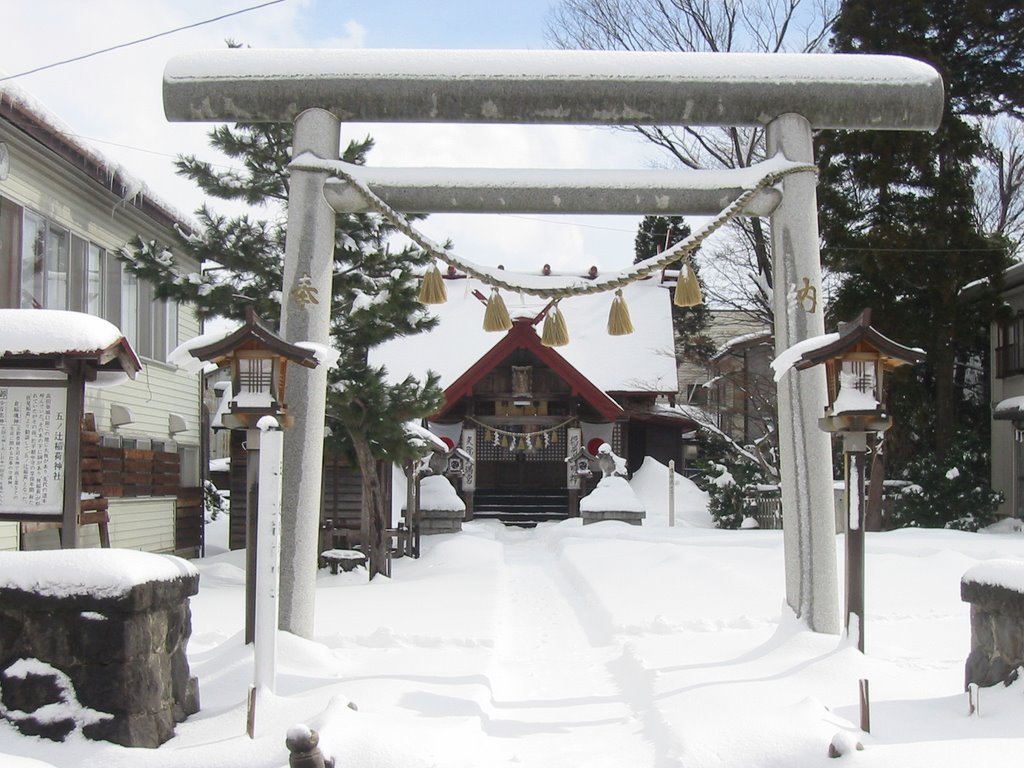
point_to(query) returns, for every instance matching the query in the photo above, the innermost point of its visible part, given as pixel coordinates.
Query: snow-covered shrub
(952, 494)
(728, 487)
(213, 503)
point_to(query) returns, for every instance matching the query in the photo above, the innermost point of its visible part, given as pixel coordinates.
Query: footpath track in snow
(557, 673)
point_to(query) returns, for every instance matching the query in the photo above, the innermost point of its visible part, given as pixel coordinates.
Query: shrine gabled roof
(253, 333)
(641, 363)
(34, 337)
(523, 336)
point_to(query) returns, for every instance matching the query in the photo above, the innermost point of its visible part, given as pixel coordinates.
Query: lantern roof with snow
(859, 336)
(253, 334)
(258, 358)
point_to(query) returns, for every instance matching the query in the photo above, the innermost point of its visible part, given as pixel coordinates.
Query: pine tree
(896, 209)
(654, 235)
(374, 296)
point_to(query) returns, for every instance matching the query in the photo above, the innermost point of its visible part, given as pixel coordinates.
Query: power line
(562, 223)
(912, 250)
(140, 40)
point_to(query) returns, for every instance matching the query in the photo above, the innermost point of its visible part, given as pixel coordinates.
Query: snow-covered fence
(94, 640)
(995, 590)
(765, 507)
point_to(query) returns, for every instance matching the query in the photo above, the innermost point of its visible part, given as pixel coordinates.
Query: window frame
(1009, 351)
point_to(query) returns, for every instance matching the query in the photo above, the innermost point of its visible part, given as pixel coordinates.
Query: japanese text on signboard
(32, 435)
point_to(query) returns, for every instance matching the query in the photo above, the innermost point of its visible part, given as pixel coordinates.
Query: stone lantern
(857, 359)
(259, 364)
(259, 361)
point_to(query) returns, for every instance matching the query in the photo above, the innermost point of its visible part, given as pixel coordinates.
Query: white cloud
(115, 100)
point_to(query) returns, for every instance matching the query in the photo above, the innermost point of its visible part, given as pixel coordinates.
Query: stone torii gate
(790, 95)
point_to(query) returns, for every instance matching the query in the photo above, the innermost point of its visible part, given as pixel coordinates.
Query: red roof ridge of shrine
(523, 336)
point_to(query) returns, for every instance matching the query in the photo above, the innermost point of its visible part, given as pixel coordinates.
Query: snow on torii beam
(520, 190)
(850, 91)
(789, 94)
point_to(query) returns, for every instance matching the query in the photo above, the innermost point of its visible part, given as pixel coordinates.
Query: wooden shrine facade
(524, 413)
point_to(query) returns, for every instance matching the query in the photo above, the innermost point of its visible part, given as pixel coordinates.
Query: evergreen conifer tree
(896, 209)
(374, 297)
(654, 235)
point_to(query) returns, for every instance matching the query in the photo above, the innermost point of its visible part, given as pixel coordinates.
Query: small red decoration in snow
(594, 445)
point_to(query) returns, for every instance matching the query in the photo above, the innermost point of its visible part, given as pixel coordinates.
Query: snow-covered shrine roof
(643, 362)
(33, 334)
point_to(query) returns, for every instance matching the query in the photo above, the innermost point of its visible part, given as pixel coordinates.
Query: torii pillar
(306, 315)
(808, 515)
(789, 93)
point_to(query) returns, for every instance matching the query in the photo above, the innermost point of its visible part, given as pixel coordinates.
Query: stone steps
(524, 509)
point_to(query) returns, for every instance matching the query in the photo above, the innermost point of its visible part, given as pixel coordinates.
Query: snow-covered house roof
(643, 362)
(743, 342)
(28, 115)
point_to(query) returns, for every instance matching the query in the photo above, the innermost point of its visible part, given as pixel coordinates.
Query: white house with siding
(64, 213)
(1007, 355)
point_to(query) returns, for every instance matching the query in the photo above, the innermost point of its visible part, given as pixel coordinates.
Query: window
(48, 267)
(111, 294)
(188, 457)
(10, 253)
(45, 263)
(172, 326)
(33, 248)
(129, 320)
(93, 280)
(1010, 348)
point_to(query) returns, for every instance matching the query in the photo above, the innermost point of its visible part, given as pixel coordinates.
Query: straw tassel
(432, 290)
(687, 288)
(619, 323)
(496, 315)
(556, 332)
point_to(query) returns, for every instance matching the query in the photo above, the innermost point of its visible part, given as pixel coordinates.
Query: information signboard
(33, 432)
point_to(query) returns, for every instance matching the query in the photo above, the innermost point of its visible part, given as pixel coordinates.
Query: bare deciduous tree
(999, 187)
(769, 26)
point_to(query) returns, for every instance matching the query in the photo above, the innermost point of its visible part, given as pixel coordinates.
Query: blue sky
(114, 102)
(443, 24)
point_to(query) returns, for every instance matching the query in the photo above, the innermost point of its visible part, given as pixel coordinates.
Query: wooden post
(252, 492)
(266, 579)
(672, 493)
(854, 447)
(73, 453)
(865, 707)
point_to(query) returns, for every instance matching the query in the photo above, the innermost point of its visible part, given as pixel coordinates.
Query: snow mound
(650, 483)
(437, 493)
(612, 494)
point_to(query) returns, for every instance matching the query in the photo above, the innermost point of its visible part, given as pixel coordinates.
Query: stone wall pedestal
(113, 651)
(995, 590)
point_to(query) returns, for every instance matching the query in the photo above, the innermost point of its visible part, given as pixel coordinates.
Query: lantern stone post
(854, 362)
(258, 360)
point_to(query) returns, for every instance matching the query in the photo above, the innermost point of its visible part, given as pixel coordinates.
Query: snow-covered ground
(608, 645)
